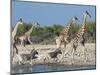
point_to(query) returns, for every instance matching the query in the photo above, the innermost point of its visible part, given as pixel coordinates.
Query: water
(50, 68)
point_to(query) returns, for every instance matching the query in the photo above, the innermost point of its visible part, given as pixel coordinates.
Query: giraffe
(26, 36)
(14, 32)
(80, 39)
(64, 34)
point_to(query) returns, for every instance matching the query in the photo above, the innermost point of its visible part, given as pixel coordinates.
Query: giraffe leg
(12, 52)
(65, 42)
(16, 50)
(30, 41)
(63, 54)
(58, 43)
(73, 53)
(85, 51)
(22, 42)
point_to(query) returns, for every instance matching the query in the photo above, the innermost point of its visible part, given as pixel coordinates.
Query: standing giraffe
(64, 35)
(14, 32)
(79, 39)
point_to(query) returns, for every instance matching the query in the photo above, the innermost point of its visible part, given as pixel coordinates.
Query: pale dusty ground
(66, 58)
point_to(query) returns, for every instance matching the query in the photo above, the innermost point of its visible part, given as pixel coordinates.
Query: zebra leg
(55, 60)
(31, 60)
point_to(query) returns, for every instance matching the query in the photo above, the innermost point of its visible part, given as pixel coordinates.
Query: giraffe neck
(83, 27)
(84, 21)
(15, 30)
(66, 30)
(29, 32)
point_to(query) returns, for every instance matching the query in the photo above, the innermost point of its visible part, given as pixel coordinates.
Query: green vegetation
(47, 33)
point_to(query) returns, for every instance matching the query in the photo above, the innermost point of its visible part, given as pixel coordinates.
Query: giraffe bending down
(14, 32)
(80, 39)
(26, 37)
(64, 35)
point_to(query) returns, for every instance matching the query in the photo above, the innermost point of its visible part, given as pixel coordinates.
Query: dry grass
(79, 57)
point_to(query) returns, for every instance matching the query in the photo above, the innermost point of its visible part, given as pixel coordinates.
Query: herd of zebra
(61, 37)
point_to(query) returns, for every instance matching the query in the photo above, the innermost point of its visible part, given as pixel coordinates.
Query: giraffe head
(74, 19)
(20, 21)
(36, 24)
(86, 14)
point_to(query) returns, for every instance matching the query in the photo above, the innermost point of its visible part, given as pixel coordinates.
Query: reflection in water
(46, 68)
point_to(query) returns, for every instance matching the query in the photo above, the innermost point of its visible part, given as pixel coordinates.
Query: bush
(41, 31)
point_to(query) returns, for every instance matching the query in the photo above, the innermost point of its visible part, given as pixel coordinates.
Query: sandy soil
(66, 58)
